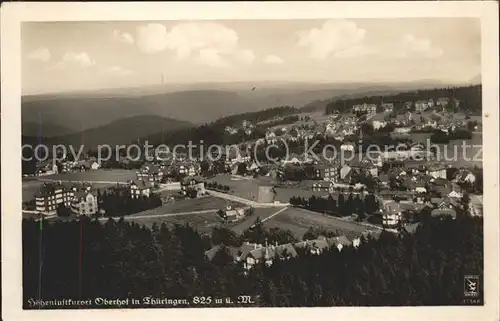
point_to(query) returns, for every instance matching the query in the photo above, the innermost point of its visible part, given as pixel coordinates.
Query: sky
(71, 56)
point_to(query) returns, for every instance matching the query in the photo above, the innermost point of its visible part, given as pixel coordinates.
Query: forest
(214, 132)
(118, 259)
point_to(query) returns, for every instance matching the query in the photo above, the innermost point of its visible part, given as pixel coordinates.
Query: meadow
(299, 221)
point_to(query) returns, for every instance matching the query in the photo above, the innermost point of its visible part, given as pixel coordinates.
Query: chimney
(255, 246)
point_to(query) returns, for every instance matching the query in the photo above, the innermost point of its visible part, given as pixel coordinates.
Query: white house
(455, 194)
(377, 124)
(271, 137)
(437, 171)
(84, 203)
(391, 214)
(347, 147)
(140, 188)
(95, 165)
(402, 130)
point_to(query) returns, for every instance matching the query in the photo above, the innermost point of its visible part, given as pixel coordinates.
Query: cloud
(245, 56)
(356, 51)
(410, 46)
(151, 38)
(211, 57)
(81, 59)
(40, 54)
(210, 43)
(118, 71)
(123, 37)
(331, 37)
(273, 59)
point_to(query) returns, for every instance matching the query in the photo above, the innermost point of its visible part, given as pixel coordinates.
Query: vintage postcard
(161, 158)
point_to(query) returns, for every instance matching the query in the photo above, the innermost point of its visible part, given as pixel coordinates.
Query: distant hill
(195, 103)
(44, 129)
(81, 112)
(121, 132)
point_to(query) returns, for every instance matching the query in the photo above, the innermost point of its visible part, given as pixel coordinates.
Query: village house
(465, 176)
(321, 186)
(326, 172)
(445, 208)
(420, 188)
(369, 108)
(377, 124)
(407, 104)
(455, 194)
(347, 147)
(315, 247)
(268, 254)
(365, 167)
(365, 236)
(339, 242)
(140, 188)
(436, 171)
(388, 107)
(391, 214)
(345, 173)
(50, 196)
(84, 203)
(442, 101)
(271, 137)
(421, 105)
(402, 130)
(346, 188)
(230, 130)
(149, 173)
(192, 183)
(231, 214)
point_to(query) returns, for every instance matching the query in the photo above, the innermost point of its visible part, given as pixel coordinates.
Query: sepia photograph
(259, 162)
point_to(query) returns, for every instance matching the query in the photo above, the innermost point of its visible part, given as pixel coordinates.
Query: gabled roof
(210, 254)
(141, 184)
(321, 244)
(335, 241)
(271, 252)
(440, 181)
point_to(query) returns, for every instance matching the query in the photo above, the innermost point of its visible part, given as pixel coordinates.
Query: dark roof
(141, 184)
(49, 188)
(444, 212)
(270, 252)
(335, 241)
(210, 254)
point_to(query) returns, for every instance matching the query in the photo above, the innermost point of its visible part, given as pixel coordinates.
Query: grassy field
(262, 213)
(248, 188)
(203, 222)
(299, 221)
(188, 205)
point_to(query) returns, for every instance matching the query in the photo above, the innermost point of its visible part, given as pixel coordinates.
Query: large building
(51, 196)
(84, 203)
(369, 108)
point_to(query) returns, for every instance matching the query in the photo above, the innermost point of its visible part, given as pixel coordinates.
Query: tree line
(344, 205)
(118, 259)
